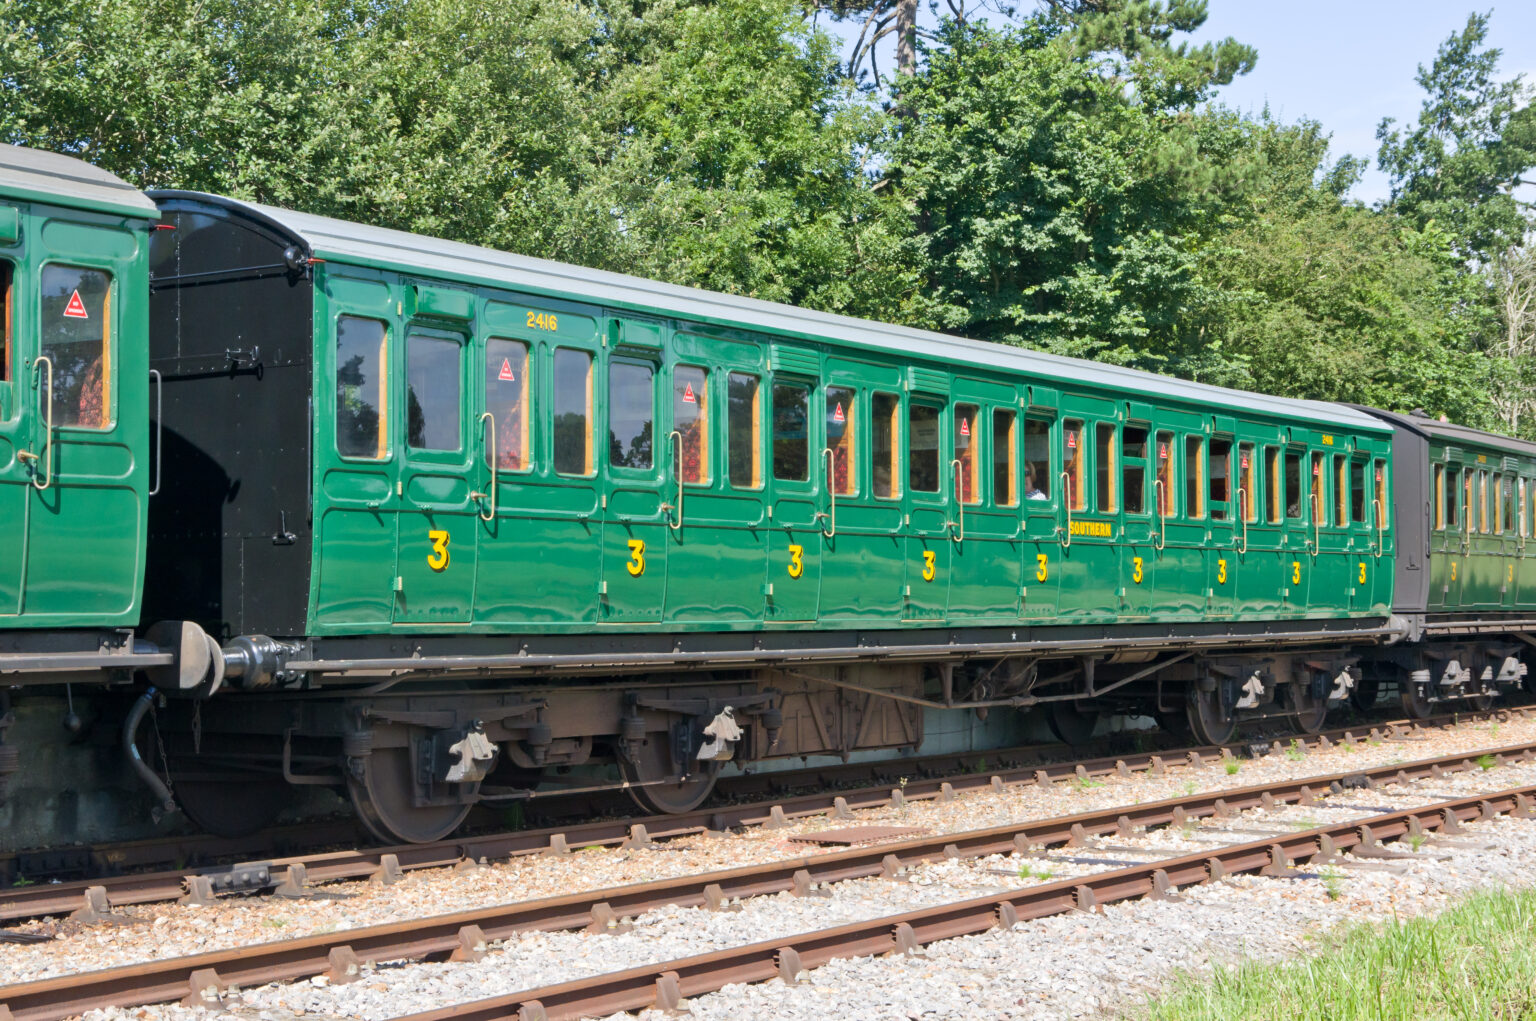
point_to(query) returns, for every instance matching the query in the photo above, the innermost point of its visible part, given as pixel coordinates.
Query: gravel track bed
(1102, 958)
(167, 930)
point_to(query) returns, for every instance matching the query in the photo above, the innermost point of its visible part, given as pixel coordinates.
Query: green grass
(1476, 962)
(1233, 766)
(1487, 762)
(1296, 751)
(1035, 872)
(1087, 783)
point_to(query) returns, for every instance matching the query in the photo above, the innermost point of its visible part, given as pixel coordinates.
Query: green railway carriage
(1466, 585)
(482, 483)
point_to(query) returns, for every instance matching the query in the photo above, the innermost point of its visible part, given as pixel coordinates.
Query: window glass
(1520, 512)
(1317, 499)
(6, 274)
(1273, 490)
(1340, 490)
(1381, 490)
(690, 417)
(1037, 459)
(1437, 488)
(1220, 487)
(1165, 482)
(1005, 459)
(1104, 453)
(1468, 511)
(841, 413)
(1292, 485)
(745, 442)
(432, 378)
(1482, 502)
(1194, 476)
(887, 445)
(506, 398)
(1496, 505)
(1072, 464)
(1507, 518)
(573, 412)
(1358, 493)
(76, 334)
(923, 437)
(632, 415)
(361, 353)
(1247, 482)
(968, 453)
(791, 431)
(1448, 499)
(1133, 475)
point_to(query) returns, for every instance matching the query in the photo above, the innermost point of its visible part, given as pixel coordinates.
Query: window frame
(1106, 502)
(633, 361)
(1138, 463)
(384, 446)
(936, 406)
(850, 437)
(1340, 491)
(1011, 498)
(109, 324)
(1196, 476)
(759, 479)
(897, 445)
(1046, 502)
(809, 387)
(1246, 493)
(1220, 510)
(554, 410)
(703, 402)
(416, 332)
(1076, 492)
(525, 401)
(973, 450)
(1437, 497)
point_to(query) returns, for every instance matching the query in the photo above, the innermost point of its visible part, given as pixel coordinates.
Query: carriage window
(1072, 465)
(1247, 482)
(1438, 495)
(791, 432)
(1005, 455)
(841, 439)
(1104, 455)
(1496, 504)
(1381, 489)
(361, 353)
(1273, 489)
(886, 423)
(1448, 495)
(506, 398)
(1468, 511)
(1037, 459)
(1508, 494)
(1520, 509)
(573, 412)
(1340, 490)
(1357, 494)
(6, 273)
(432, 378)
(632, 416)
(923, 456)
(690, 417)
(1317, 501)
(1292, 485)
(967, 453)
(1133, 451)
(1194, 476)
(1482, 502)
(1164, 487)
(1220, 488)
(76, 334)
(746, 448)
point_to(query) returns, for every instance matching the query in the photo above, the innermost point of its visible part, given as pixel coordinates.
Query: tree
(1474, 140)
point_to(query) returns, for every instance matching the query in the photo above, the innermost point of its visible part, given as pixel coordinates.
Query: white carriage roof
(342, 241)
(64, 180)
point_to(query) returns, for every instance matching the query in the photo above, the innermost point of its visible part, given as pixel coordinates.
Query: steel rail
(340, 953)
(51, 899)
(665, 984)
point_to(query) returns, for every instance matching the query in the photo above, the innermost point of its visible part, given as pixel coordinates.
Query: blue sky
(1349, 63)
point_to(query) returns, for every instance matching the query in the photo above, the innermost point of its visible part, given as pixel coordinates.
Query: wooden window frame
(1106, 502)
(896, 446)
(1010, 498)
(848, 444)
(1195, 471)
(554, 410)
(756, 467)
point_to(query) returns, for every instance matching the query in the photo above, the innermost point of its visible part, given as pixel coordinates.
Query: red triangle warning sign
(965, 427)
(76, 308)
(506, 371)
(837, 415)
(1071, 441)
(688, 395)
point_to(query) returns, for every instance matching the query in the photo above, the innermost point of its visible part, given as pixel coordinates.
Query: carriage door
(641, 502)
(797, 520)
(441, 479)
(1222, 505)
(15, 419)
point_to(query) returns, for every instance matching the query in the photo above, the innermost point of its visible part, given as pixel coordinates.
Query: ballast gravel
(1060, 967)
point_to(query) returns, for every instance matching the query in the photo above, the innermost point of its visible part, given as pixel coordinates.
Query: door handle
(1066, 501)
(46, 460)
(154, 374)
(1159, 492)
(830, 461)
(490, 448)
(677, 437)
(1242, 513)
(956, 468)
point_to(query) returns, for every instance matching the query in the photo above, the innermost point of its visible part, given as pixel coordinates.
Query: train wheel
(1070, 724)
(1414, 696)
(1364, 694)
(232, 808)
(385, 799)
(1309, 702)
(1211, 715)
(1482, 703)
(655, 764)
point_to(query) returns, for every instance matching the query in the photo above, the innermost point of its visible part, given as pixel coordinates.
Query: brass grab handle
(830, 461)
(1242, 514)
(490, 447)
(1066, 501)
(46, 459)
(678, 437)
(956, 467)
(1158, 492)
(1381, 527)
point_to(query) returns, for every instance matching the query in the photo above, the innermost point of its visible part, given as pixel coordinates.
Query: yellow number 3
(1136, 570)
(929, 570)
(438, 558)
(1042, 570)
(1362, 572)
(796, 561)
(1295, 572)
(636, 565)
(1221, 570)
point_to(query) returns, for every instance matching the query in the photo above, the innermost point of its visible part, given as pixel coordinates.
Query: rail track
(936, 777)
(464, 935)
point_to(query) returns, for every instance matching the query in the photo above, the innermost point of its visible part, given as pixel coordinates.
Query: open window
(1293, 506)
(1037, 459)
(968, 453)
(1247, 482)
(1273, 489)
(1105, 457)
(1340, 490)
(1317, 500)
(1165, 474)
(1072, 462)
(1220, 487)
